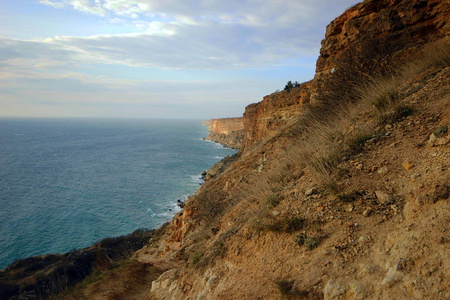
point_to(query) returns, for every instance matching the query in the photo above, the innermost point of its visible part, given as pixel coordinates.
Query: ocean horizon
(68, 183)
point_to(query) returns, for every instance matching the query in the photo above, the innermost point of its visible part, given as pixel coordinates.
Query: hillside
(341, 186)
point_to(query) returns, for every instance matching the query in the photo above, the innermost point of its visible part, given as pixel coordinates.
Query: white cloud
(171, 34)
(202, 34)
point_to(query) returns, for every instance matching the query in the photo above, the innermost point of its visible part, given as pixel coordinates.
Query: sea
(68, 183)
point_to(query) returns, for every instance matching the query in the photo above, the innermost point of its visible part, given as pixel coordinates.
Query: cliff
(341, 188)
(371, 38)
(226, 131)
(265, 118)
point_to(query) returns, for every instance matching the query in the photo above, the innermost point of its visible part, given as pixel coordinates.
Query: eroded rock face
(265, 118)
(399, 26)
(372, 35)
(226, 131)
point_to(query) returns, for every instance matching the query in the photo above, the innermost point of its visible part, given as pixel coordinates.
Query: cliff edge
(226, 131)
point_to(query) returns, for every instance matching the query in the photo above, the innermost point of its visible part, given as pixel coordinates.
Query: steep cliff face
(396, 28)
(265, 118)
(226, 131)
(366, 40)
(225, 125)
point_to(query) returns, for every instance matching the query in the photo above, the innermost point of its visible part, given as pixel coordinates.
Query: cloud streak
(200, 38)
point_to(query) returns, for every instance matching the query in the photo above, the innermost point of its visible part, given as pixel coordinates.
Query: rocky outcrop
(267, 117)
(375, 30)
(368, 39)
(226, 131)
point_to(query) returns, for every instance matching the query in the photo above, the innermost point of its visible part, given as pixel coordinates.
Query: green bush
(309, 241)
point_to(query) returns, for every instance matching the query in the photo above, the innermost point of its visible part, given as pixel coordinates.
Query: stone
(212, 282)
(356, 291)
(438, 140)
(383, 197)
(367, 212)
(311, 191)
(334, 289)
(407, 165)
(391, 278)
(421, 200)
(383, 170)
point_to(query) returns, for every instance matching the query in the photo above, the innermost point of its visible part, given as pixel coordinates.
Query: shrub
(356, 143)
(289, 85)
(309, 241)
(287, 225)
(349, 197)
(197, 257)
(268, 222)
(441, 131)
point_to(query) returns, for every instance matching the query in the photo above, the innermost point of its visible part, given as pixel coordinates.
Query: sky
(154, 58)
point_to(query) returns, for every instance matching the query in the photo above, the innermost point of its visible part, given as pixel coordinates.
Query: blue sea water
(67, 183)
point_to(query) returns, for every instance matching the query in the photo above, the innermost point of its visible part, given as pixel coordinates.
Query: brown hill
(341, 188)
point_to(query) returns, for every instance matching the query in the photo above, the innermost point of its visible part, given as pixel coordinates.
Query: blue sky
(152, 58)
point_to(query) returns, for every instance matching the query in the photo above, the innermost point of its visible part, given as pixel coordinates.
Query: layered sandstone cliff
(265, 118)
(395, 28)
(226, 131)
(368, 39)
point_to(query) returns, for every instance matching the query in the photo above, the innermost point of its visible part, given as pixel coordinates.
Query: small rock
(383, 197)
(383, 170)
(367, 212)
(212, 281)
(275, 213)
(438, 141)
(391, 278)
(421, 200)
(407, 165)
(311, 191)
(395, 209)
(356, 291)
(333, 289)
(350, 208)
(363, 239)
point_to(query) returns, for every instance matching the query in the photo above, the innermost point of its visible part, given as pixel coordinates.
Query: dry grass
(330, 133)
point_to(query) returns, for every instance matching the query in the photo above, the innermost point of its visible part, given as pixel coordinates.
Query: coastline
(77, 264)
